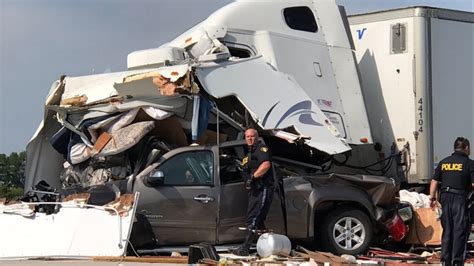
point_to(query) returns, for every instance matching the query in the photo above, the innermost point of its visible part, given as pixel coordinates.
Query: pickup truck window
(300, 18)
(188, 168)
(230, 164)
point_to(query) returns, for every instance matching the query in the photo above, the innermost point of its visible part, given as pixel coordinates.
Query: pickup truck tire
(346, 231)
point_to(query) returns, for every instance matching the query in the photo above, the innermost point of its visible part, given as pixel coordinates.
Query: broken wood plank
(145, 259)
(74, 101)
(77, 198)
(320, 258)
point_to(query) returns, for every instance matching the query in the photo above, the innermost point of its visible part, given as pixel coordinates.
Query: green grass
(10, 193)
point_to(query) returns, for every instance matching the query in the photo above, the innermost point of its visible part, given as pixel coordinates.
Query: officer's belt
(455, 191)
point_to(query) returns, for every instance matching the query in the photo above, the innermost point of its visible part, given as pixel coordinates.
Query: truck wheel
(346, 231)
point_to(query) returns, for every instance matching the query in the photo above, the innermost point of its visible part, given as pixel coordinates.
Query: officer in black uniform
(456, 175)
(258, 180)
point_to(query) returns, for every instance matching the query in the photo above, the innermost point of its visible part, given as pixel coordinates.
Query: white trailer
(416, 69)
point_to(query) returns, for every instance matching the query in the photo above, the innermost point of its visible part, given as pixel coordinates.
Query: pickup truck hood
(303, 194)
(381, 190)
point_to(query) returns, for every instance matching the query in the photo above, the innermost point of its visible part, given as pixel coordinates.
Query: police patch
(264, 149)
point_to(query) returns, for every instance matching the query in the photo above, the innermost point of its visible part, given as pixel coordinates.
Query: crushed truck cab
(292, 74)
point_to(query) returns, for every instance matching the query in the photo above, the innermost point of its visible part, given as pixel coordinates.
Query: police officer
(456, 175)
(258, 180)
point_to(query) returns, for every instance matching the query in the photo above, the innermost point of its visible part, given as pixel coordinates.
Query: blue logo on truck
(360, 33)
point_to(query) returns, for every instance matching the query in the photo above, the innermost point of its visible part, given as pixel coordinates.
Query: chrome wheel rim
(348, 233)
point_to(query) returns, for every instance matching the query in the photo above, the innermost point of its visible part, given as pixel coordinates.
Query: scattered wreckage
(170, 129)
(75, 226)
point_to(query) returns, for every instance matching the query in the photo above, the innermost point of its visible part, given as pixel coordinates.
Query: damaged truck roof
(284, 103)
(274, 99)
(204, 79)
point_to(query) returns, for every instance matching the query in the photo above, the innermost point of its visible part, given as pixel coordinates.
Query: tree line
(12, 174)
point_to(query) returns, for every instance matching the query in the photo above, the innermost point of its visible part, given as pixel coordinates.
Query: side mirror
(156, 178)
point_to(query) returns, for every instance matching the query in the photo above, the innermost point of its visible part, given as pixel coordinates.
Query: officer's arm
(471, 172)
(262, 169)
(433, 188)
(434, 183)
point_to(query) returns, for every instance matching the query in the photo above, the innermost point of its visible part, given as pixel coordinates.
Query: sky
(40, 40)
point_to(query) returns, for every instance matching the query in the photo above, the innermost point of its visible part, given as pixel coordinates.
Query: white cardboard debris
(417, 200)
(73, 231)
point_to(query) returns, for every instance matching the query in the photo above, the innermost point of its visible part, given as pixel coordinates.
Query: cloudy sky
(43, 39)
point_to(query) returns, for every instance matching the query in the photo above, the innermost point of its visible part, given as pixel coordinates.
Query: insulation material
(115, 123)
(124, 120)
(126, 138)
(94, 128)
(79, 153)
(97, 171)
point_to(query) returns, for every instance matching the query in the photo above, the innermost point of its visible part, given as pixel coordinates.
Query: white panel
(95, 87)
(73, 231)
(332, 24)
(275, 100)
(387, 84)
(154, 56)
(99, 87)
(350, 93)
(452, 84)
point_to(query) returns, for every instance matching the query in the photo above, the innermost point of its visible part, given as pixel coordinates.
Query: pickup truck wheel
(346, 231)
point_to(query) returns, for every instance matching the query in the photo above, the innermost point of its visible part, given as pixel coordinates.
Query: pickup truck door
(183, 209)
(234, 199)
